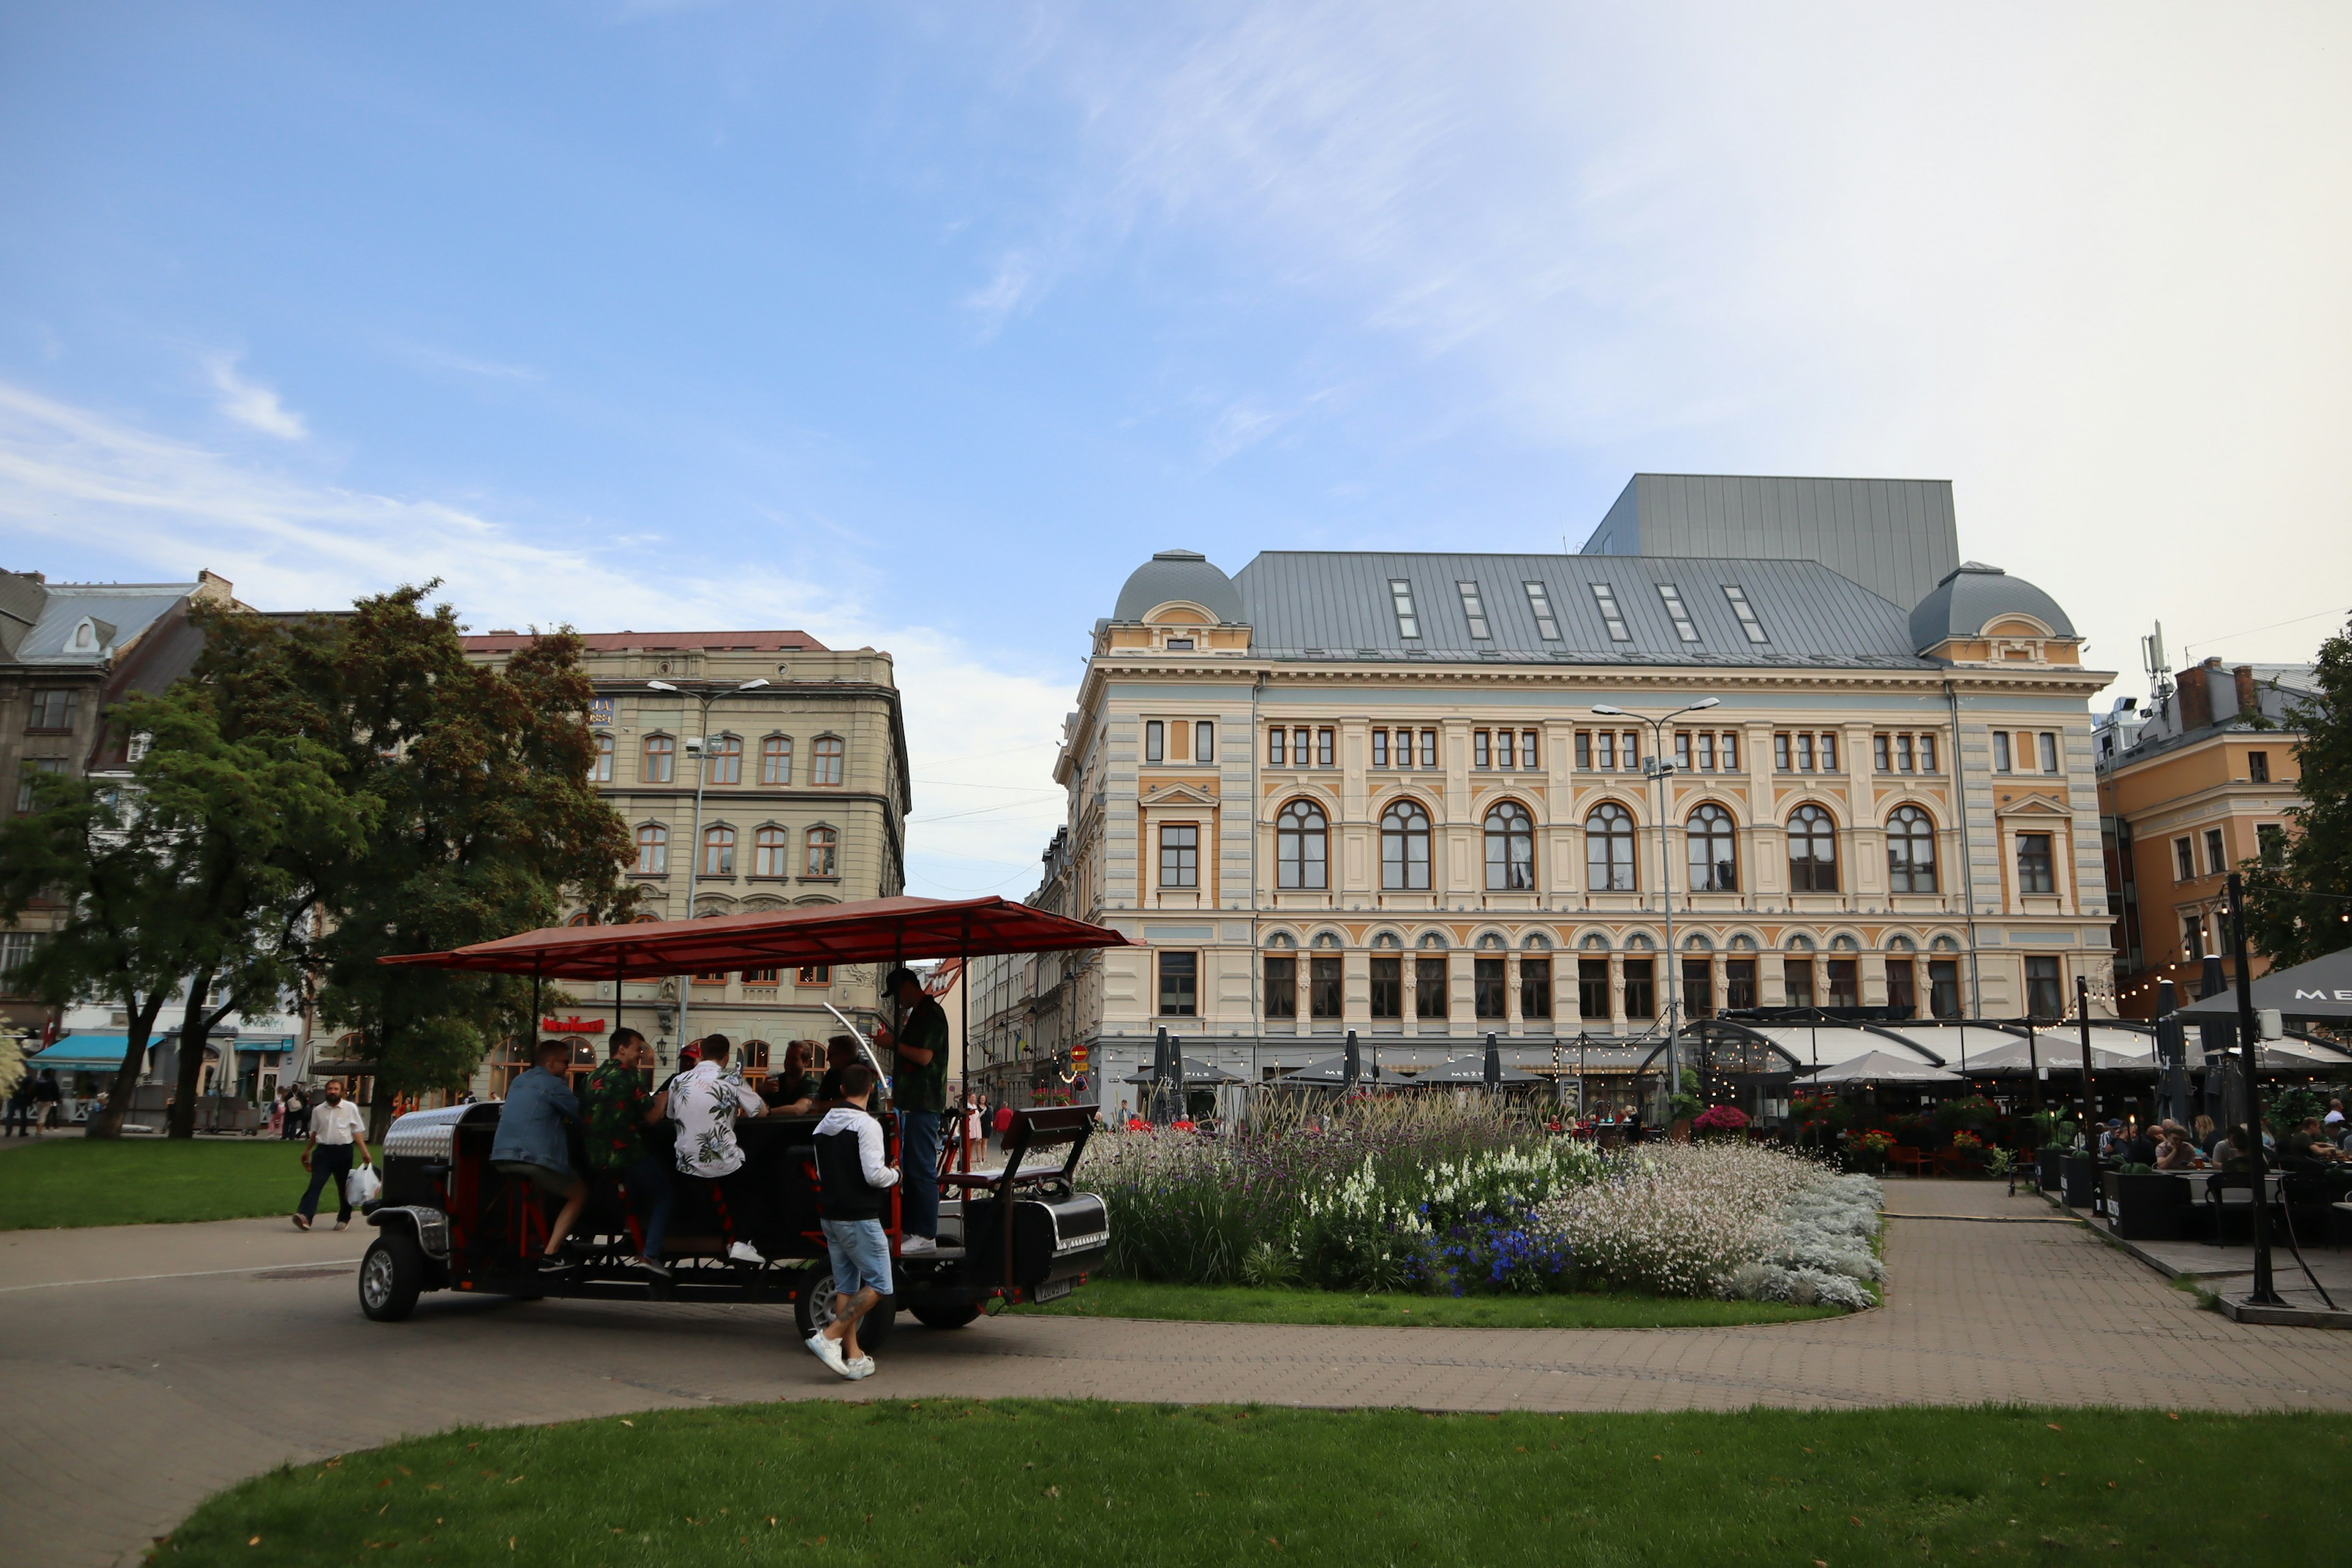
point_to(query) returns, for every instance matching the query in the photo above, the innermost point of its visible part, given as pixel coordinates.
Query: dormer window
(1400, 595)
(1604, 599)
(1180, 645)
(1736, 597)
(1475, 609)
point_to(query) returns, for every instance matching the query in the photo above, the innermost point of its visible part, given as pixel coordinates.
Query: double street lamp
(1657, 768)
(705, 692)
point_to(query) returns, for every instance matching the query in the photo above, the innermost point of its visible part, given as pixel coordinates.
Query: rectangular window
(1738, 598)
(1155, 741)
(2048, 752)
(1707, 750)
(660, 763)
(1281, 986)
(600, 770)
(1608, 743)
(2270, 840)
(1275, 747)
(27, 792)
(1380, 748)
(1475, 609)
(1481, 749)
(1180, 855)
(1535, 988)
(1672, 597)
(2045, 993)
(768, 853)
(1739, 983)
(1797, 980)
(2184, 861)
(1546, 626)
(1429, 983)
(1731, 752)
(1400, 595)
(2192, 937)
(1682, 749)
(1592, 987)
(812, 974)
(1487, 989)
(1325, 747)
(53, 709)
(1845, 983)
(1905, 758)
(1322, 987)
(1829, 754)
(1504, 753)
(1926, 753)
(1429, 748)
(1204, 741)
(1641, 988)
(776, 760)
(2001, 762)
(1943, 987)
(1301, 742)
(1902, 987)
(2217, 859)
(724, 756)
(2034, 874)
(1805, 753)
(1584, 750)
(2258, 767)
(1606, 598)
(1783, 757)
(719, 852)
(1698, 987)
(1881, 754)
(1527, 748)
(1388, 985)
(825, 766)
(16, 949)
(1180, 984)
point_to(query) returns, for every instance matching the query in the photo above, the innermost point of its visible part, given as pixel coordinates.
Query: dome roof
(1974, 597)
(1174, 574)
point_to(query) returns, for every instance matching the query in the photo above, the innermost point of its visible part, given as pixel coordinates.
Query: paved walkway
(131, 1398)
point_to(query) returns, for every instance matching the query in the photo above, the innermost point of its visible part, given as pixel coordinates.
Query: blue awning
(82, 1051)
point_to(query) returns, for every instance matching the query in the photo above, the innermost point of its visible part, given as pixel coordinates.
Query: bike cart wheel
(390, 1274)
(813, 1309)
(946, 1317)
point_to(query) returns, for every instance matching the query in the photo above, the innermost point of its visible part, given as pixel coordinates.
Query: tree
(2296, 888)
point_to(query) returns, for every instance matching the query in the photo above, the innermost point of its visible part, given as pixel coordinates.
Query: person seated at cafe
(2205, 1134)
(2140, 1148)
(840, 1051)
(620, 1109)
(2230, 1154)
(533, 1141)
(706, 1103)
(2178, 1153)
(2307, 1148)
(793, 1091)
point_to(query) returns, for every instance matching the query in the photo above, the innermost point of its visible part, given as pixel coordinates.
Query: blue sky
(922, 325)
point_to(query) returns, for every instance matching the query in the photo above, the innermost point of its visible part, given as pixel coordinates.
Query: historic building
(756, 771)
(2191, 785)
(1418, 796)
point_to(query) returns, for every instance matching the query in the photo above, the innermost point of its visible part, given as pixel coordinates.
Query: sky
(921, 326)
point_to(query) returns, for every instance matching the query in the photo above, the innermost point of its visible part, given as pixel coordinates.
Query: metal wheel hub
(820, 1299)
(375, 1277)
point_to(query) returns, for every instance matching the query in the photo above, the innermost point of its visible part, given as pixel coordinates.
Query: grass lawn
(67, 1182)
(1021, 1483)
(1240, 1304)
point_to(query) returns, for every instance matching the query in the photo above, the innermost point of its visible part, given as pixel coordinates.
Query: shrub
(1676, 1219)
(1720, 1119)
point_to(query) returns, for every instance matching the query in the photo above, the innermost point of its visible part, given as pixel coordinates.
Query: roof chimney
(2249, 701)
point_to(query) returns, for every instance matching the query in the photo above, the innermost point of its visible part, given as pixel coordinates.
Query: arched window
(717, 851)
(1714, 851)
(660, 760)
(1404, 847)
(1812, 851)
(1301, 846)
(825, 767)
(1608, 849)
(600, 770)
(583, 919)
(1510, 847)
(1910, 851)
(768, 853)
(653, 849)
(824, 853)
(725, 760)
(776, 760)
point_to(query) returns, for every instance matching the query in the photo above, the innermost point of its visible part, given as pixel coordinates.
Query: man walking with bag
(338, 1129)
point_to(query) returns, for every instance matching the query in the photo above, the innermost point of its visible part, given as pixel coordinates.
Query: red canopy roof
(871, 932)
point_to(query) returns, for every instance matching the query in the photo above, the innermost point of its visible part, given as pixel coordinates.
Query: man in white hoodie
(853, 1195)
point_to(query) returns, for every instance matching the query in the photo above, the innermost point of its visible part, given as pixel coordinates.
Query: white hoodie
(848, 1118)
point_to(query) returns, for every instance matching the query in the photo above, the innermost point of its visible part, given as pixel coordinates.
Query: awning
(1469, 1069)
(82, 1052)
(1883, 1067)
(2321, 989)
(1197, 1073)
(873, 931)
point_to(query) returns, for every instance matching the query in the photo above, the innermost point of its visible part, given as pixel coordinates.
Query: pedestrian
(853, 1193)
(532, 1141)
(20, 1108)
(277, 1113)
(1004, 1127)
(338, 1130)
(298, 1112)
(619, 1109)
(48, 1094)
(919, 1087)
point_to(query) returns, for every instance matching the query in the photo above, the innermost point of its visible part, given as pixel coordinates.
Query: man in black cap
(919, 1087)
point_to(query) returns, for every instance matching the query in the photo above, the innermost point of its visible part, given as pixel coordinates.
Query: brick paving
(132, 1399)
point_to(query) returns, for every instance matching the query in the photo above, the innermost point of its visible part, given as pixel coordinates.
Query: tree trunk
(380, 1107)
(193, 1030)
(107, 1123)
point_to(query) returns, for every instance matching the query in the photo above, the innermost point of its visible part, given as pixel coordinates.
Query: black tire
(813, 1309)
(391, 1275)
(946, 1317)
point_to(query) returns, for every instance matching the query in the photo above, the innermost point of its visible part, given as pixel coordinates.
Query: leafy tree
(2295, 889)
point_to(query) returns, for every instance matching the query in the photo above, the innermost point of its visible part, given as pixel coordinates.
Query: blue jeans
(649, 1179)
(860, 1255)
(328, 1163)
(919, 1162)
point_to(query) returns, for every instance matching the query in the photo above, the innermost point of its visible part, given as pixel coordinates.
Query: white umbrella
(1881, 1066)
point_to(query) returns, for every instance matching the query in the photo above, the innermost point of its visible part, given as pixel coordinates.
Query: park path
(130, 1398)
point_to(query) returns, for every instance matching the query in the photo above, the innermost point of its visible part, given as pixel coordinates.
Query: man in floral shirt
(619, 1109)
(705, 1104)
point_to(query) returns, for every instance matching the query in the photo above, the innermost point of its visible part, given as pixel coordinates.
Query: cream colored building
(1358, 791)
(800, 753)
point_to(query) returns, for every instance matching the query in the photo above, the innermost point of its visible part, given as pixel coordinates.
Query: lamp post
(705, 692)
(1657, 768)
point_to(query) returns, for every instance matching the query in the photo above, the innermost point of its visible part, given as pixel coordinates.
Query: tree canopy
(2297, 888)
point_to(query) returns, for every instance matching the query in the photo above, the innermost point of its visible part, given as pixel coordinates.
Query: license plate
(1053, 1290)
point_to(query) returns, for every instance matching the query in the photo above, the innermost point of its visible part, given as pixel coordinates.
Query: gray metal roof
(122, 610)
(1975, 594)
(1338, 604)
(1178, 574)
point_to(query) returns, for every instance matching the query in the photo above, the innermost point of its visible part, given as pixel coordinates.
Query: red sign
(1078, 1053)
(572, 1026)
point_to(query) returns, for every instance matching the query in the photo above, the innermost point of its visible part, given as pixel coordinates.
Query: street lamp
(1657, 768)
(705, 693)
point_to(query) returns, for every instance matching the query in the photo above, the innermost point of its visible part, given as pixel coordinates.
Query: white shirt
(704, 1103)
(337, 1124)
(848, 1118)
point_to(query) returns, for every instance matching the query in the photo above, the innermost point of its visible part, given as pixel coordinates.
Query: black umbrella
(1494, 1062)
(2320, 990)
(1355, 1061)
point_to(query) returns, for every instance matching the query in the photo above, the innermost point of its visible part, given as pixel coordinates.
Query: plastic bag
(363, 1186)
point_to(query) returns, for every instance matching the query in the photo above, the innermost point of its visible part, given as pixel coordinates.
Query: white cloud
(982, 737)
(251, 404)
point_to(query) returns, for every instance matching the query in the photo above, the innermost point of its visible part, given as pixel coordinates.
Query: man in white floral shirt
(704, 1102)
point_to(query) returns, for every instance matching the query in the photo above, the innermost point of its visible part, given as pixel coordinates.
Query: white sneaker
(862, 1367)
(911, 1244)
(744, 1252)
(828, 1351)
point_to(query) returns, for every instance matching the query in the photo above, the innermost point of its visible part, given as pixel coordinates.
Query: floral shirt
(705, 1104)
(617, 1101)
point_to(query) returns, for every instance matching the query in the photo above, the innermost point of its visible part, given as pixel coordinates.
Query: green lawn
(1020, 1483)
(1239, 1304)
(69, 1183)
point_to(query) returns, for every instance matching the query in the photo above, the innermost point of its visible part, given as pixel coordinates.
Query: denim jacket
(531, 1125)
